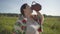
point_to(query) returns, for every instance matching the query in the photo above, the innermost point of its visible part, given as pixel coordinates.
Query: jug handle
(33, 2)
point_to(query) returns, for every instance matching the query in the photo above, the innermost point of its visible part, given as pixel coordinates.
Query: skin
(28, 13)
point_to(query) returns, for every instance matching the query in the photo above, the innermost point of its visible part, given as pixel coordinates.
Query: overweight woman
(28, 23)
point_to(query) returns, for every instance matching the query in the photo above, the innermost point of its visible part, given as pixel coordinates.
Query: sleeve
(19, 27)
(40, 19)
(37, 18)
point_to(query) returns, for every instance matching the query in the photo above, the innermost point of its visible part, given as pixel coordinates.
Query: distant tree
(44, 15)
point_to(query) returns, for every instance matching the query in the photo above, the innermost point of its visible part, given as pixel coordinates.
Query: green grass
(51, 25)
(6, 24)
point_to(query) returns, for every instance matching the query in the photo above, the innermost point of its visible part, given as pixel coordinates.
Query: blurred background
(10, 11)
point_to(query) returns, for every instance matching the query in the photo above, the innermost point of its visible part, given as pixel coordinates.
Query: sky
(49, 7)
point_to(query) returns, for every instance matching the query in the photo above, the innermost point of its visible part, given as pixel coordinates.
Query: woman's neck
(28, 16)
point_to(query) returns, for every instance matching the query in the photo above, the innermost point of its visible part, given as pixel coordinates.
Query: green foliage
(6, 24)
(51, 25)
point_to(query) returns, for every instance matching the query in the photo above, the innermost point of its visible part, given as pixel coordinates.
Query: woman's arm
(41, 16)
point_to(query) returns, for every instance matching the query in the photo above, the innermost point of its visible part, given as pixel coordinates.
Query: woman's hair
(23, 7)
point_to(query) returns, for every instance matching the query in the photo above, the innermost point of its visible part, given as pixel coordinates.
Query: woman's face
(27, 10)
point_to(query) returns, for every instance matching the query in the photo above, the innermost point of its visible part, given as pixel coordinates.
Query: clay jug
(36, 6)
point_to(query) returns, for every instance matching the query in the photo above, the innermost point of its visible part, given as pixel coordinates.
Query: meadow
(51, 25)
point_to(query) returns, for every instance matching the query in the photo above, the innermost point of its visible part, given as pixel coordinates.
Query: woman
(28, 23)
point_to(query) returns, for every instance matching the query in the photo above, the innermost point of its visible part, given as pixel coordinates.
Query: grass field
(51, 25)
